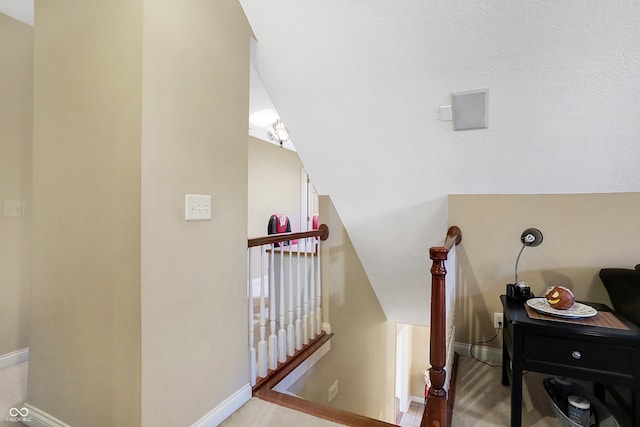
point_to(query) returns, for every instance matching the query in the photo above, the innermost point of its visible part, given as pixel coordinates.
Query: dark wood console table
(603, 355)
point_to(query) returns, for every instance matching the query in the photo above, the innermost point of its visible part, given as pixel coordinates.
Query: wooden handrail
(435, 414)
(322, 232)
(454, 237)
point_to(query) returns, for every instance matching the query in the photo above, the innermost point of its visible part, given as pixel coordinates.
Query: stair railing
(436, 413)
(284, 293)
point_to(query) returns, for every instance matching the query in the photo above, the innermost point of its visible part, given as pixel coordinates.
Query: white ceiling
(259, 101)
(360, 83)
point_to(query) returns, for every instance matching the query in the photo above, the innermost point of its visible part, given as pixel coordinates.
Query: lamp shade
(531, 237)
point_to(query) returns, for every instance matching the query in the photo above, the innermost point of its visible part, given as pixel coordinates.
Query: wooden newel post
(436, 413)
(437, 398)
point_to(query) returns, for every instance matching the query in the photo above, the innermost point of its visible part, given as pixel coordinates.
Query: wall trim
(39, 418)
(14, 358)
(226, 408)
(417, 399)
(301, 369)
(486, 354)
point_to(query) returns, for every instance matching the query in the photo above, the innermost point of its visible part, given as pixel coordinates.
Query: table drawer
(579, 354)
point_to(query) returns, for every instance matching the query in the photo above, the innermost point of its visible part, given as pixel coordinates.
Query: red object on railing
(279, 224)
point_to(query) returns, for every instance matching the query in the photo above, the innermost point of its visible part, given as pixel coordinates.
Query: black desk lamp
(530, 237)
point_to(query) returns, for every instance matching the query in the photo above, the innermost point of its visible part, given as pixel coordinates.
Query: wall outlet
(333, 390)
(497, 320)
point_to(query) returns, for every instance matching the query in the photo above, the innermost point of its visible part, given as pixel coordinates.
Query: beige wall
(274, 188)
(274, 185)
(420, 336)
(195, 118)
(582, 234)
(84, 365)
(362, 350)
(129, 300)
(16, 107)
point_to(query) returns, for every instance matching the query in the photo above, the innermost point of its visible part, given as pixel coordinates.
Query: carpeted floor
(482, 401)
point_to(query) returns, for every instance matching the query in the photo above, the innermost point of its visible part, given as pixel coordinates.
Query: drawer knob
(576, 355)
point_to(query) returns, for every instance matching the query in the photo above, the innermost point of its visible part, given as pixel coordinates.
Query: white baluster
(273, 339)
(312, 293)
(319, 291)
(305, 300)
(252, 348)
(262, 345)
(298, 324)
(282, 333)
(290, 327)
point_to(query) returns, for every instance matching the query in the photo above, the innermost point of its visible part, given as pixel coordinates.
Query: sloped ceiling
(359, 84)
(22, 10)
(262, 112)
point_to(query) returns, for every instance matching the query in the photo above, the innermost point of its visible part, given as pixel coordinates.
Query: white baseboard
(418, 399)
(486, 354)
(301, 369)
(226, 408)
(39, 418)
(14, 358)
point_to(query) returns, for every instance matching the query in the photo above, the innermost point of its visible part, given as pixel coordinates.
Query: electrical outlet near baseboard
(333, 390)
(497, 320)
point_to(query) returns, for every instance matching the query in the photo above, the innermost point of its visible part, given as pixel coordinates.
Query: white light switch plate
(197, 207)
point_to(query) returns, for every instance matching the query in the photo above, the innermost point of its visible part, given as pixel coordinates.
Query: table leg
(516, 397)
(505, 363)
(635, 392)
(635, 407)
(516, 380)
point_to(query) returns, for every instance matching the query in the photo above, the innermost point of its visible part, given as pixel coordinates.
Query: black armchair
(623, 287)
